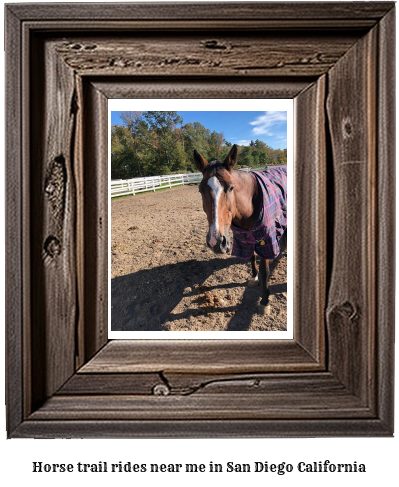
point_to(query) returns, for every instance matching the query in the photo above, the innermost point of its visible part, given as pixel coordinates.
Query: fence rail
(123, 187)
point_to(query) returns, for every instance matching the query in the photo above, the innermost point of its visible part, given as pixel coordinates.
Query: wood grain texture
(335, 377)
(341, 11)
(351, 307)
(53, 213)
(385, 221)
(310, 227)
(247, 55)
(200, 356)
(15, 235)
(191, 428)
(95, 221)
(198, 87)
(111, 384)
(185, 384)
(210, 407)
(77, 154)
(278, 396)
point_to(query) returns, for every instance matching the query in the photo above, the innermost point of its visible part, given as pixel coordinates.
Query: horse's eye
(231, 189)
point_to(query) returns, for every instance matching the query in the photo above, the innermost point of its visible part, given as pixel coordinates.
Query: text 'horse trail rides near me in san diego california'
(254, 206)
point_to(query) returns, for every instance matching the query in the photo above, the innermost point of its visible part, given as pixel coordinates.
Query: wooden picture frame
(63, 62)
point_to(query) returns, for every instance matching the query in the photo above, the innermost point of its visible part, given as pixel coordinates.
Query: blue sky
(238, 127)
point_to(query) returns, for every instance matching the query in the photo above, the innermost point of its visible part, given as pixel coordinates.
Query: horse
(244, 201)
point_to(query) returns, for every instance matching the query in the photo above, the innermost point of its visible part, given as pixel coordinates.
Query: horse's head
(218, 198)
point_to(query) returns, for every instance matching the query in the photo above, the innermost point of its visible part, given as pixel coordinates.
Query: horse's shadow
(145, 300)
(251, 298)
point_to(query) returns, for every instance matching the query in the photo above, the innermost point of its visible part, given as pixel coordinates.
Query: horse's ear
(231, 158)
(200, 162)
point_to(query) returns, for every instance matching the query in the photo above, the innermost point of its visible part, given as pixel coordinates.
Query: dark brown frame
(62, 64)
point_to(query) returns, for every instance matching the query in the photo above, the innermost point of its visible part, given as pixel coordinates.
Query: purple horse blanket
(264, 237)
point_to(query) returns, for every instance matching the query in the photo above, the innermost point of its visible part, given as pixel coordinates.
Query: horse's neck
(247, 200)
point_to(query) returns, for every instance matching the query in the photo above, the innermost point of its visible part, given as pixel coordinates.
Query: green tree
(154, 143)
(132, 121)
(281, 157)
(263, 159)
(122, 153)
(245, 157)
(215, 143)
(260, 145)
(164, 124)
(196, 136)
(255, 158)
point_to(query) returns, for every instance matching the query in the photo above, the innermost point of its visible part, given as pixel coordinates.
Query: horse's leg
(254, 281)
(283, 243)
(264, 272)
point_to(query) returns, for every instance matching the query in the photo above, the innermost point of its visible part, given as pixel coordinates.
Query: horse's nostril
(223, 243)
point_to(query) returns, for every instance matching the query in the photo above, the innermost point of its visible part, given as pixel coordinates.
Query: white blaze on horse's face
(217, 190)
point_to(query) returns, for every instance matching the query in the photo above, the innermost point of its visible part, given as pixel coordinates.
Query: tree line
(155, 143)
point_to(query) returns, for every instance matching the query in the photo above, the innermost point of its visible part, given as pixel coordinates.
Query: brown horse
(229, 198)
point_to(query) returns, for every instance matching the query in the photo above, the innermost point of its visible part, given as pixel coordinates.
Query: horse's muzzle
(222, 245)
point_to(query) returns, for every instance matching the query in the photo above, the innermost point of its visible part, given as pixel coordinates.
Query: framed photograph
(164, 276)
(66, 377)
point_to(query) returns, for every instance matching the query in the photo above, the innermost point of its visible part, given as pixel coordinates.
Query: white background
(379, 455)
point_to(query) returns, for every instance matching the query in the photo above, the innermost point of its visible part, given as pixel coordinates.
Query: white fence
(122, 187)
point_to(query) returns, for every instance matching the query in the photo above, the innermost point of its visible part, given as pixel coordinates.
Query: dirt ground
(164, 277)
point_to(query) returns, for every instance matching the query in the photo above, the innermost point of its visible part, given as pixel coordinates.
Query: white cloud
(265, 122)
(242, 142)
